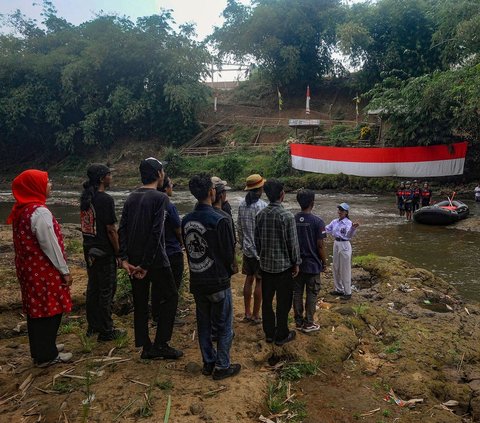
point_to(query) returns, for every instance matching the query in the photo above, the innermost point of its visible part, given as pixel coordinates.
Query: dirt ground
(404, 330)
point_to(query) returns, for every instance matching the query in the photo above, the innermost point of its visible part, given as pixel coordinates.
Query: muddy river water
(448, 252)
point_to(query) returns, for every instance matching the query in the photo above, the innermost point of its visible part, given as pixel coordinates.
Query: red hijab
(30, 187)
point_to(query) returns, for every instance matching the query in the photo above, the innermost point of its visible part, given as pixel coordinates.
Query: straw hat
(254, 181)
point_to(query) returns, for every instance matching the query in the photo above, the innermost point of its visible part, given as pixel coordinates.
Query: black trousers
(164, 299)
(275, 324)
(176, 265)
(101, 288)
(42, 334)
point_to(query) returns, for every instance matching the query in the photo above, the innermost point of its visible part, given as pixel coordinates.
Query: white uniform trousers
(342, 267)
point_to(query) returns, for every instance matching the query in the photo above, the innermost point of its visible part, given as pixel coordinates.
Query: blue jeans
(215, 310)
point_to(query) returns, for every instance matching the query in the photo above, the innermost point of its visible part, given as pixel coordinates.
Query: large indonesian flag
(434, 160)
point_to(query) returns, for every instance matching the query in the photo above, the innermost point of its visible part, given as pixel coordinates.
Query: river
(452, 254)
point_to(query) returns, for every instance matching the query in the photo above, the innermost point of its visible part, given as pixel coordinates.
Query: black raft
(442, 213)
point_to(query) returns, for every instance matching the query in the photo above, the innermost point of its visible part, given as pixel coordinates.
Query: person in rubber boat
(426, 195)
(343, 230)
(399, 195)
(408, 200)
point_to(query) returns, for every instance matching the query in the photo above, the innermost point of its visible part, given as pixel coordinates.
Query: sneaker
(311, 328)
(290, 337)
(165, 352)
(299, 325)
(346, 297)
(246, 319)
(208, 369)
(110, 336)
(219, 374)
(61, 358)
(255, 322)
(336, 293)
(60, 347)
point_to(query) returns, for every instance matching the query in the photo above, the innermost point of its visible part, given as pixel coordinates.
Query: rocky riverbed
(405, 334)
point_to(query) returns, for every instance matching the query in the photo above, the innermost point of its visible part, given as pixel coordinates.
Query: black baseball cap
(97, 171)
(150, 167)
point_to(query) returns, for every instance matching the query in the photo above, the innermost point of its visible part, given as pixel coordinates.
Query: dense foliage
(291, 41)
(63, 87)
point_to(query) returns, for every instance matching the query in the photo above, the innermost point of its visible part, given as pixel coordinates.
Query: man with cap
(342, 229)
(248, 209)
(101, 249)
(221, 189)
(276, 242)
(142, 249)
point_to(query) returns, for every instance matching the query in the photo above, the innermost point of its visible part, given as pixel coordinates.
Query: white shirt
(42, 227)
(341, 229)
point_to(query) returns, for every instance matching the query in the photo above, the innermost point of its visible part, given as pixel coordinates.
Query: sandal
(246, 319)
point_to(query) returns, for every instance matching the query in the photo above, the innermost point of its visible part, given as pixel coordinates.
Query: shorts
(251, 266)
(408, 207)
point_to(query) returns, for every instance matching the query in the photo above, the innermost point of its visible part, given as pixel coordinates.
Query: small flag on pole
(280, 101)
(307, 105)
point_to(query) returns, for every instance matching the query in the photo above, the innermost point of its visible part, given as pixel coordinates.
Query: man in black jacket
(142, 249)
(209, 242)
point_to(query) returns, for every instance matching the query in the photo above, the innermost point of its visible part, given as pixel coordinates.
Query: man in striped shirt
(276, 241)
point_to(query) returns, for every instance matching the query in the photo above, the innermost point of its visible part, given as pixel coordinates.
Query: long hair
(90, 188)
(253, 196)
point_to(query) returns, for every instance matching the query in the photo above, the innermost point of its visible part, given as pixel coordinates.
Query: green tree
(292, 42)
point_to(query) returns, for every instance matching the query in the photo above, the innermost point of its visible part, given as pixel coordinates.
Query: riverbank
(404, 330)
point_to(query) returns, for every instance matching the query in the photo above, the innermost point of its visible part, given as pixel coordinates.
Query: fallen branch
(139, 383)
(125, 409)
(369, 413)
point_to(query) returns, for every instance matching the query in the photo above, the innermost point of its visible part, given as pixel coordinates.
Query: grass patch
(124, 286)
(279, 399)
(63, 387)
(393, 348)
(74, 246)
(121, 342)
(364, 260)
(87, 342)
(69, 327)
(164, 385)
(360, 309)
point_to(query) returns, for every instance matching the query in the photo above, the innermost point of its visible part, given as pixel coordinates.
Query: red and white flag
(307, 105)
(422, 162)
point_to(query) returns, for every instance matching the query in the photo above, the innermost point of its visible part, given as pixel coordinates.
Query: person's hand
(295, 270)
(356, 225)
(139, 273)
(129, 268)
(68, 279)
(119, 262)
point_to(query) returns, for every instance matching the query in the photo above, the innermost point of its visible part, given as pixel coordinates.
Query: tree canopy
(64, 86)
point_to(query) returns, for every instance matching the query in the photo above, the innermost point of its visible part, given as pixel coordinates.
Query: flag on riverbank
(307, 105)
(421, 162)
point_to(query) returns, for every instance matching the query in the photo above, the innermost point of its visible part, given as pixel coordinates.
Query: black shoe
(219, 374)
(291, 336)
(346, 297)
(166, 352)
(208, 369)
(110, 336)
(336, 293)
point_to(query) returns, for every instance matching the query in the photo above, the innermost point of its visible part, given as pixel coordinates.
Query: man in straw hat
(248, 209)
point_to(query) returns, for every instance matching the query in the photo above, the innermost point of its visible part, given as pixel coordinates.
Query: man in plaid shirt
(277, 246)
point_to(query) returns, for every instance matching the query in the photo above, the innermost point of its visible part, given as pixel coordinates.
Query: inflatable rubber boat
(442, 213)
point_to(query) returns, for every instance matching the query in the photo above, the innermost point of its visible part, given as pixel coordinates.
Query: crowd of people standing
(283, 258)
(410, 197)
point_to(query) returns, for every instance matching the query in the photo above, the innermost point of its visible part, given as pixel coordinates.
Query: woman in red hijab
(41, 267)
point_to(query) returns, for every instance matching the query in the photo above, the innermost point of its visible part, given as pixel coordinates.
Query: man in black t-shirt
(100, 245)
(144, 257)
